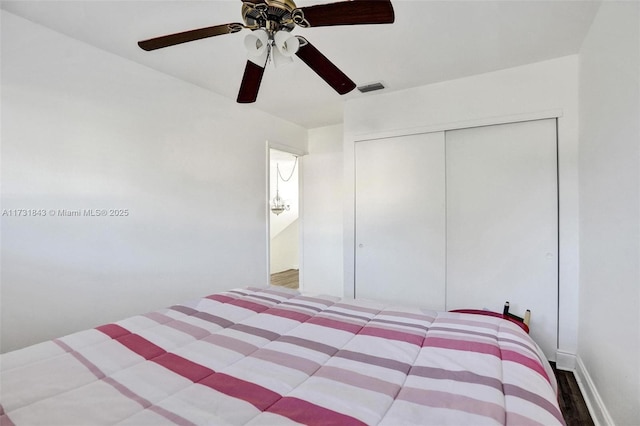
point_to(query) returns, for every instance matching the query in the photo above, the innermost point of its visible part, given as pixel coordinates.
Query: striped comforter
(271, 356)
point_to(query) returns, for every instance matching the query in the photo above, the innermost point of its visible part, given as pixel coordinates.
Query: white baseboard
(598, 411)
(565, 361)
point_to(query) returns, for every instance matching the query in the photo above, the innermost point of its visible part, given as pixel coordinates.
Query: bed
(269, 356)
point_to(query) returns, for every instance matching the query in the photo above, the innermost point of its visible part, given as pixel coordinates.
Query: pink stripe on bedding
(127, 392)
(82, 359)
(253, 306)
(308, 413)
(462, 345)
(141, 346)
(453, 401)
(172, 417)
(527, 362)
(332, 323)
(258, 396)
(184, 367)
(4, 419)
(115, 384)
(221, 298)
(287, 313)
(392, 334)
(359, 380)
(177, 364)
(113, 330)
(254, 355)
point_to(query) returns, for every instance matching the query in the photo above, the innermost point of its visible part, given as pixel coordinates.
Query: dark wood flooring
(288, 278)
(572, 404)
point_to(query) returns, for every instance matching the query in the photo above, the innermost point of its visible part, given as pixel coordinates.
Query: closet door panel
(400, 220)
(502, 218)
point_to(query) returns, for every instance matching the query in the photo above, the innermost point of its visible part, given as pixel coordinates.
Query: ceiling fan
(271, 22)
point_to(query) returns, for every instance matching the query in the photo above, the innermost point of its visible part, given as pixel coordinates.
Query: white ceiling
(430, 41)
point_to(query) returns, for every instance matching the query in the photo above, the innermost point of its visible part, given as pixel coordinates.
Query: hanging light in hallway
(278, 205)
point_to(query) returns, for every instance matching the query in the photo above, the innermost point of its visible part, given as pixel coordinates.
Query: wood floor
(288, 278)
(572, 404)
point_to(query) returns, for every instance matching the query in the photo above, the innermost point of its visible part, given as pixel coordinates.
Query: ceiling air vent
(371, 87)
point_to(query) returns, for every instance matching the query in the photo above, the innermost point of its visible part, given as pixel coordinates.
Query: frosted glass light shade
(257, 45)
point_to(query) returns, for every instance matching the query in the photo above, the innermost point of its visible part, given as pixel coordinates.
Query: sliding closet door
(502, 222)
(400, 220)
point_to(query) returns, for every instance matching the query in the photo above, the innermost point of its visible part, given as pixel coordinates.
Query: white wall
(323, 216)
(284, 249)
(609, 335)
(537, 90)
(83, 129)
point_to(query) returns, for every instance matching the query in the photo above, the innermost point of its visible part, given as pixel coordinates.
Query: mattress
(269, 356)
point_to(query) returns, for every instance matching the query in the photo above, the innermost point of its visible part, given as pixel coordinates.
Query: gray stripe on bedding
(465, 332)
(359, 380)
(403, 324)
(344, 314)
(231, 344)
(309, 344)
(451, 401)
(184, 309)
(457, 376)
(290, 361)
(518, 392)
(302, 305)
(265, 334)
(190, 329)
(222, 322)
(374, 360)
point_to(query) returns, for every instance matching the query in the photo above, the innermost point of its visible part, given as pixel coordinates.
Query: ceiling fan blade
(250, 83)
(325, 68)
(186, 36)
(355, 12)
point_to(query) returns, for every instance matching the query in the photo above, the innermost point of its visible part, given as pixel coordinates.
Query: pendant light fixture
(278, 205)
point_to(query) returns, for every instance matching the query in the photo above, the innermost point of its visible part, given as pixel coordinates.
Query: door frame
(300, 154)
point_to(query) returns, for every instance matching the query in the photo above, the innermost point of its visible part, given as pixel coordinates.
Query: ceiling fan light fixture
(286, 43)
(257, 45)
(271, 22)
(280, 59)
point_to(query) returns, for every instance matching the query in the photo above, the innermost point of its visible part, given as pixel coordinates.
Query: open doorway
(284, 228)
